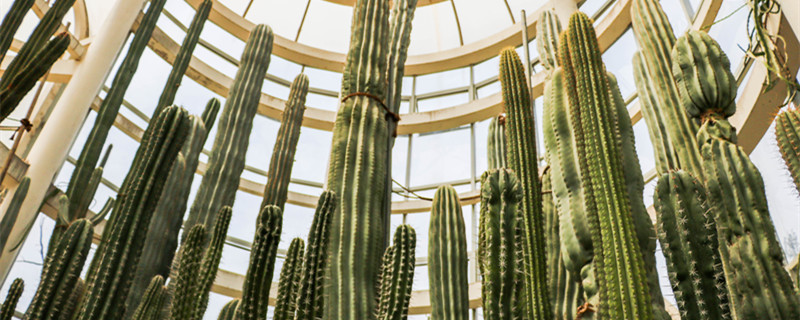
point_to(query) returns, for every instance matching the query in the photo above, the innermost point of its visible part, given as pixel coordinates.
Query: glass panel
(442, 102)
(440, 157)
(442, 80)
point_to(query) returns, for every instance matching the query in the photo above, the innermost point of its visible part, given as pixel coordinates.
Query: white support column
(52, 146)
(564, 9)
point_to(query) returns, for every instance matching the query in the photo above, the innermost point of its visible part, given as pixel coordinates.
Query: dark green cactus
(357, 168)
(228, 311)
(397, 275)
(10, 216)
(787, 130)
(154, 297)
(15, 89)
(11, 23)
(447, 257)
(288, 285)
(255, 292)
(500, 204)
(10, 304)
(689, 242)
(227, 158)
(74, 301)
(758, 286)
(61, 271)
(210, 264)
(184, 56)
(114, 264)
(280, 166)
(309, 296)
(523, 159)
(496, 143)
(624, 292)
(183, 298)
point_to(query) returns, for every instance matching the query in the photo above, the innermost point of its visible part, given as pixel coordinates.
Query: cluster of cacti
(255, 292)
(280, 166)
(310, 293)
(226, 161)
(787, 130)
(288, 285)
(447, 257)
(10, 216)
(397, 275)
(12, 298)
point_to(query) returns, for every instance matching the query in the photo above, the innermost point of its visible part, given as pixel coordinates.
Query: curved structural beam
(420, 3)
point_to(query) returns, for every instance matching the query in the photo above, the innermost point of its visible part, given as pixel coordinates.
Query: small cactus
(787, 130)
(10, 304)
(448, 259)
(496, 143)
(286, 302)
(228, 311)
(310, 294)
(183, 300)
(397, 275)
(152, 301)
(255, 292)
(10, 217)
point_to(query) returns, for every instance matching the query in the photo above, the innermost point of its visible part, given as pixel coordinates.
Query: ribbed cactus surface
(227, 158)
(787, 131)
(210, 264)
(228, 311)
(114, 264)
(496, 143)
(255, 292)
(286, 302)
(154, 297)
(758, 286)
(183, 298)
(11, 23)
(500, 204)
(447, 257)
(523, 159)
(61, 270)
(702, 73)
(309, 295)
(397, 275)
(20, 83)
(547, 31)
(10, 216)
(280, 166)
(10, 304)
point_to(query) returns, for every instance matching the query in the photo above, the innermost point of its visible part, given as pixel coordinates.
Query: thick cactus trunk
(447, 257)
(286, 302)
(10, 304)
(255, 292)
(227, 159)
(309, 296)
(11, 23)
(787, 130)
(397, 275)
(280, 166)
(153, 301)
(357, 172)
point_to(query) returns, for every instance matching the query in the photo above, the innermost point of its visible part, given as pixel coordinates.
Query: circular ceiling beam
(420, 3)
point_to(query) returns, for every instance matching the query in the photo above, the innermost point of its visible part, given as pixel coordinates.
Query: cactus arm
(286, 302)
(397, 275)
(10, 304)
(787, 131)
(10, 217)
(11, 23)
(255, 292)
(448, 260)
(153, 301)
(309, 297)
(228, 311)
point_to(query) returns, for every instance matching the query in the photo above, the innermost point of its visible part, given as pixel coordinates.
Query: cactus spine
(226, 162)
(16, 89)
(522, 158)
(182, 307)
(61, 271)
(11, 23)
(496, 143)
(10, 217)
(309, 296)
(397, 275)
(153, 300)
(448, 260)
(116, 259)
(357, 168)
(289, 281)
(500, 199)
(228, 311)
(758, 285)
(258, 280)
(787, 130)
(280, 166)
(10, 304)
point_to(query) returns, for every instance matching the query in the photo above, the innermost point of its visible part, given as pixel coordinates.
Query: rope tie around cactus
(389, 114)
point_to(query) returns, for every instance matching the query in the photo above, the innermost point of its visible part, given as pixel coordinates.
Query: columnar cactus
(309, 295)
(689, 242)
(447, 257)
(522, 158)
(758, 286)
(258, 279)
(116, 259)
(210, 264)
(280, 166)
(500, 204)
(61, 270)
(357, 168)
(10, 216)
(11, 23)
(397, 275)
(23, 81)
(787, 130)
(624, 292)
(547, 31)
(228, 311)
(183, 298)
(288, 285)
(226, 162)
(496, 143)
(10, 304)
(154, 297)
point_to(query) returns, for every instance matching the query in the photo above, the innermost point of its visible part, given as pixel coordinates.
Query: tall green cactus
(183, 299)
(227, 159)
(787, 130)
(689, 242)
(288, 285)
(357, 168)
(309, 297)
(210, 264)
(11, 23)
(397, 275)
(61, 271)
(447, 257)
(522, 158)
(758, 286)
(154, 297)
(496, 143)
(114, 264)
(10, 304)
(14, 90)
(255, 292)
(228, 311)
(500, 202)
(624, 292)
(10, 216)
(280, 166)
